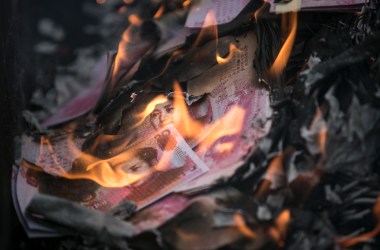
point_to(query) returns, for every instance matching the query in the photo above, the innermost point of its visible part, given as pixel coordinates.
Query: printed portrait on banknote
(155, 167)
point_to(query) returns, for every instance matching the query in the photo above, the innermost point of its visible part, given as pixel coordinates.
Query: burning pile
(218, 126)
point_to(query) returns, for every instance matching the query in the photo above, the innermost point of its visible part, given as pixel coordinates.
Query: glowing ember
(278, 232)
(186, 3)
(122, 9)
(159, 12)
(350, 242)
(284, 54)
(134, 19)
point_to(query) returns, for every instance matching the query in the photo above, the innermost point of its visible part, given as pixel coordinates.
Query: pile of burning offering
(229, 124)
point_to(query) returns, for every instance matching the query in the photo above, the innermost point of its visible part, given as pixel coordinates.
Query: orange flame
(322, 140)
(113, 171)
(209, 29)
(186, 125)
(242, 227)
(322, 136)
(350, 242)
(122, 53)
(259, 11)
(233, 50)
(128, 1)
(284, 54)
(278, 231)
(274, 168)
(134, 19)
(186, 3)
(149, 109)
(230, 124)
(159, 12)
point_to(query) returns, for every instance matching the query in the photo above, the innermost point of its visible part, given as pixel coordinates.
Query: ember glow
(186, 3)
(289, 20)
(243, 228)
(159, 12)
(278, 231)
(134, 19)
(274, 169)
(319, 123)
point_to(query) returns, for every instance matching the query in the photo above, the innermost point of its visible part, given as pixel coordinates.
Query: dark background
(21, 72)
(10, 231)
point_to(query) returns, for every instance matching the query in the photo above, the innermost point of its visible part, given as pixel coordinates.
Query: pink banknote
(296, 5)
(145, 172)
(223, 10)
(161, 211)
(236, 99)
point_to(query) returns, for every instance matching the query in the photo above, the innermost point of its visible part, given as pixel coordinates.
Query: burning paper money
(327, 5)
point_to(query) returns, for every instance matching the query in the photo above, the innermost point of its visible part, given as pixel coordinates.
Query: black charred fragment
(76, 219)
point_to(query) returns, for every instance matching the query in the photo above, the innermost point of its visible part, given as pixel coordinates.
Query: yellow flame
(224, 147)
(149, 109)
(111, 172)
(284, 54)
(233, 50)
(229, 124)
(209, 30)
(185, 124)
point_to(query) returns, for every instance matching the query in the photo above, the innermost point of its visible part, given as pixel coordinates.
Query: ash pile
(214, 125)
